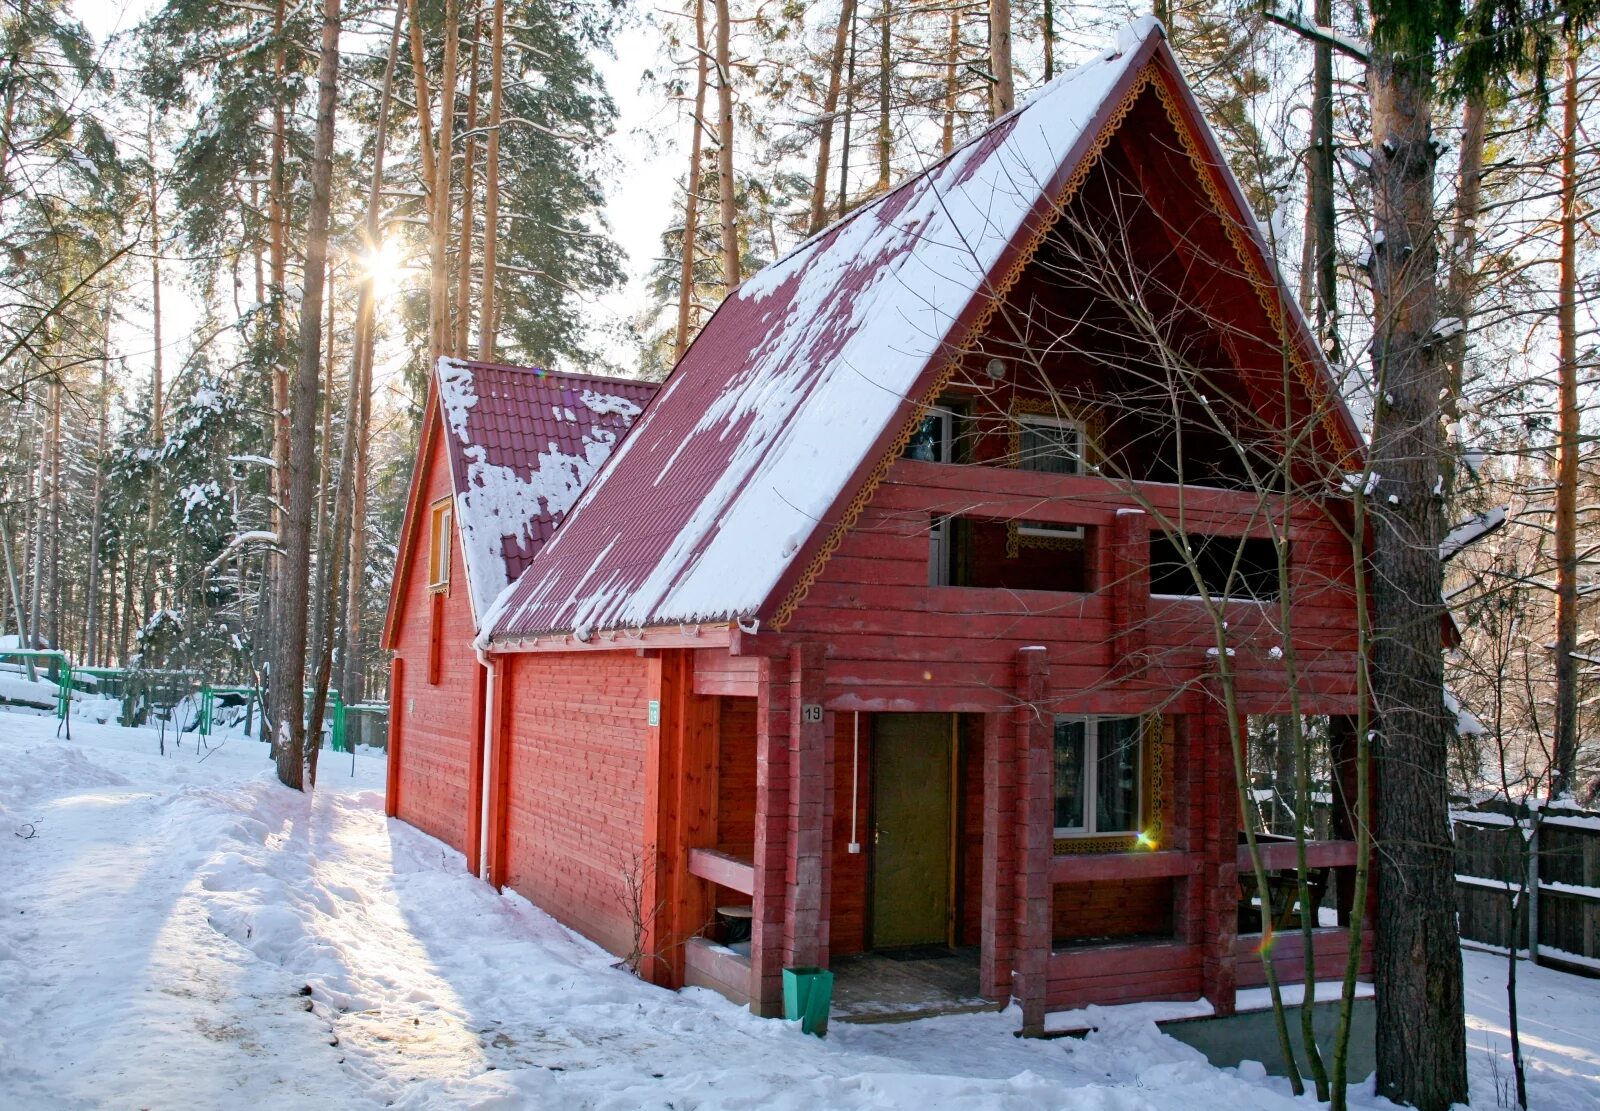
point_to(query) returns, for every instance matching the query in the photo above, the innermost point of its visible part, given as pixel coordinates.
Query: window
(439, 539)
(1242, 568)
(1097, 772)
(935, 438)
(1049, 444)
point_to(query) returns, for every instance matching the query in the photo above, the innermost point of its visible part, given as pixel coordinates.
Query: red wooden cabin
(503, 453)
(873, 622)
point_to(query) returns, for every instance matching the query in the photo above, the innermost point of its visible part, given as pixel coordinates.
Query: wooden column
(1219, 977)
(680, 813)
(1342, 750)
(999, 856)
(1130, 593)
(397, 717)
(1035, 735)
(479, 733)
(499, 761)
(770, 856)
(658, 841)
(810, 836)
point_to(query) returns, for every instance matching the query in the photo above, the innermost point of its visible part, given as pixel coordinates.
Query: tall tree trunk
(830, 107)
(1420, 1023)
(1464, 240)
(849, 116)
(278, 270)
(13, 584)
(691, 199)
(1047, 32)
(326, 539)
(952, 86)
(1321, 231)
(885, 86)
(464, 250)
(1002, 88)
(157, 400)
(730, 218)
(439, 334)
(291, 661)
(351, 679)
(54, 566)
(419, 77)
(91, 633)
(491, 197)
(1566, 735)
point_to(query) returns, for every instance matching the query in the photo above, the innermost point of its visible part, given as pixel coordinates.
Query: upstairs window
(1048, 445)
(1097, 773)
(439, 541)
(935, 439)
(1238, 568)
(1052, 445)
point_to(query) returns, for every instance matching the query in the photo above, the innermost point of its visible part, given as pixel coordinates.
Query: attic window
(439, 545)
(1049, 444)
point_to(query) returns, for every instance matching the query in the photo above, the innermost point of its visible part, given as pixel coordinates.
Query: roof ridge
(543, 372)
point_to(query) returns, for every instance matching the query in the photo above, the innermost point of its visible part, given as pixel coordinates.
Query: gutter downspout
(487, 731)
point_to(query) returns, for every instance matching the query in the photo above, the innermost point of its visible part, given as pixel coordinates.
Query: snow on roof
(800, 371)
(522, 443)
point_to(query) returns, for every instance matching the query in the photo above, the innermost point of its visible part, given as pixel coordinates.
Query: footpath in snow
(180, 931)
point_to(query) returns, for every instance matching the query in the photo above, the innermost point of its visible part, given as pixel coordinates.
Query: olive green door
(911, 796)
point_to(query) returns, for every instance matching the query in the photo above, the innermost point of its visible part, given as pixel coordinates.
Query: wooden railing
(724, 869)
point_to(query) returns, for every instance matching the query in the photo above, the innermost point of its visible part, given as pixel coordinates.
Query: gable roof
(805, 373)
(521, 443)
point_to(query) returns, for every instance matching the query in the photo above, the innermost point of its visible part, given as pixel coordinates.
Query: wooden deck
(898, 987)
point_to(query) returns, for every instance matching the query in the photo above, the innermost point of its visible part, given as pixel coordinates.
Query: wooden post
(1533, 889)
(397, 713)
(479, 739)
(1035, 836)
(658, 843)
(1130, 592)
(1342, 748)
(770, 856)
(680, 814)
(805, 921)
(999, 856)
(1219, 978)
(505, 687)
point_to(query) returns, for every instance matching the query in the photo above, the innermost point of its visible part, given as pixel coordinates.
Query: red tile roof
(522, 442)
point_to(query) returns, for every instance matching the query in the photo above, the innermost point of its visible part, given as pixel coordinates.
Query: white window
(1097, 773)
(1050, 445)
(439, 541)
(934, 439)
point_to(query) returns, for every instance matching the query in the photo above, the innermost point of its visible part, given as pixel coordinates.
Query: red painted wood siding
(895, 643)
(436, 719)
(575, 791)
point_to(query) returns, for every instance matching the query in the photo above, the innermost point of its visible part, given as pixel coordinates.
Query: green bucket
(807, 995)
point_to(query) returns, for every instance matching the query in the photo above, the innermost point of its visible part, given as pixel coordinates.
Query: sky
(642, 167)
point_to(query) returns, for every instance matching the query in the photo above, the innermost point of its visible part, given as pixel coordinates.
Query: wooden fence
(1552, 855)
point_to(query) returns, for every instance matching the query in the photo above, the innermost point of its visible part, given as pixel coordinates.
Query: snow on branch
(1297, 22)
(1472, 530)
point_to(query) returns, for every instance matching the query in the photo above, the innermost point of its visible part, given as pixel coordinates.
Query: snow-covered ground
(161, 919)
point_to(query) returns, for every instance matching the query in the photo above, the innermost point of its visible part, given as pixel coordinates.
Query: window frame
(441, 538)
(1047, 420)
(1091, 776)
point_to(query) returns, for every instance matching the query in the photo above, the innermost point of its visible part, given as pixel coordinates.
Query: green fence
(131, 686)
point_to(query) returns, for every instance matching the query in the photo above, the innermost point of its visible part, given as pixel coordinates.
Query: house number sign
(655, 712)
(811, 712)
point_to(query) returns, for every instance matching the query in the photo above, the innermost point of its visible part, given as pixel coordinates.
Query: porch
(1155, 915)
